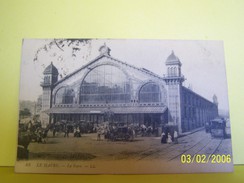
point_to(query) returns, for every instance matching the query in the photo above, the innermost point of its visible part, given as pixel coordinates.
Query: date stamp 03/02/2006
(203, 158)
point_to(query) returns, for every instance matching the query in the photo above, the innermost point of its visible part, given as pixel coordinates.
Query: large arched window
(65, 96)
(150, 92)
(105, 84)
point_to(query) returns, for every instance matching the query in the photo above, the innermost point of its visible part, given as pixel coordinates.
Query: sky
(203, 63)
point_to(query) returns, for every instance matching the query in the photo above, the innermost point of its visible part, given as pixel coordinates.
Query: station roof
(102, 110)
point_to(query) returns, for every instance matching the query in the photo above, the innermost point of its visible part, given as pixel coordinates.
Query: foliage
(25, 112)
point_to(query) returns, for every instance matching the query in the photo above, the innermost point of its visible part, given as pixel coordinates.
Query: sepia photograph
(123, 106)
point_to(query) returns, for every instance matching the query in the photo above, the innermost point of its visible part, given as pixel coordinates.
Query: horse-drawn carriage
(123, 133)
(85, 126)
(82, 127)
(62, 126)
(120, 131)
(77, 128)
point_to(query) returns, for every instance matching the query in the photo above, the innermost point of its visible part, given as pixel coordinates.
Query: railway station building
(107, 89)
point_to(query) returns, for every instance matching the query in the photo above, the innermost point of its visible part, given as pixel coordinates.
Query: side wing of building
(196, 110)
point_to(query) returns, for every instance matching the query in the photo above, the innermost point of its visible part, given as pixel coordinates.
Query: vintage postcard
(105, 106)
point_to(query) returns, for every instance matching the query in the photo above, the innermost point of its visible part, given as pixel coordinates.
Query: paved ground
(142, 148)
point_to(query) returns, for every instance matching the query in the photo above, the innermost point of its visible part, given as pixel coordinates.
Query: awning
(100, 110)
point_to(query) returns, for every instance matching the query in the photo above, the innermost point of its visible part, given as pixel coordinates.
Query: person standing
(169, 139)
(175, 137)
(163, 138)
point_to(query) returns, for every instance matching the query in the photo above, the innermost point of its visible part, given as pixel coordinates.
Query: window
(65, 95)
(149, 93)
(169, 71)
(105, 84)
(47, 80)
(175, 74)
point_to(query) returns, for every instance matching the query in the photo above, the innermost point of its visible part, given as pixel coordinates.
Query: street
(88, 147)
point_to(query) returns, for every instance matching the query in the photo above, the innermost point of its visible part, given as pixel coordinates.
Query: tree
(25, 112)
(60, 50)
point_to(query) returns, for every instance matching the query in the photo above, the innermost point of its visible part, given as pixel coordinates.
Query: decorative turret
(50, 78)
(50, 75)
(173, 66)
(104, 50)
(174, 81)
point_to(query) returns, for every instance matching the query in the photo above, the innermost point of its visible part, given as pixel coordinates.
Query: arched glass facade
(149, 93)
(65, 96)
(105, 84)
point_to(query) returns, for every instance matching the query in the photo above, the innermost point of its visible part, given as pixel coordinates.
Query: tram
(218, 128)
